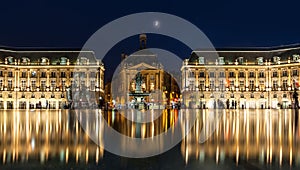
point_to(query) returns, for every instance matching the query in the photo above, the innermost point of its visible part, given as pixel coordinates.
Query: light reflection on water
(269, 136)
(266, 136)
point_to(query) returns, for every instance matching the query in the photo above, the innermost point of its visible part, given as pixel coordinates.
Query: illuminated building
(160, 84)
(241, 78)
(43, 79)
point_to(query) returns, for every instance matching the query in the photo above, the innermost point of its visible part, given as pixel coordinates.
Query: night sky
(228, 23)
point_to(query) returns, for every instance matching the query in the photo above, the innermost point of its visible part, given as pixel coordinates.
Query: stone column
(289, 78)
(197, 80)
(279, 77)
(256, 78)
(247, 82)
(28, 78)
(236, 78)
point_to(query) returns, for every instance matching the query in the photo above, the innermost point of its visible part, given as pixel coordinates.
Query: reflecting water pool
(209, 139)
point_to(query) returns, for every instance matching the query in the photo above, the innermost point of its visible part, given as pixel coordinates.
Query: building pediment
(142, 66)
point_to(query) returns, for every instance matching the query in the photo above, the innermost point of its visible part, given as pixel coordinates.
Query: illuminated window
(212, 84)
(33, 74)
(261, 74)
(10, 84)
(201, 85)
(275, 84)
(251, 74)
(202, 74)
(284, 85)
(53, 84)
(53, 74)
(295, 72)
(23, 85)
(63, 74)
(222, 74)
(23, 74)
(231, 83)
(92, 75)
(222, 86)
(242, 84)
(284, 73)
(33, 84)
(93, 85)
(241, 74)
(43, 85)
(251, 85)
(10, 74)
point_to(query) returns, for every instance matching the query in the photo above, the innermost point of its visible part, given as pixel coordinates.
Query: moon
(156, 24)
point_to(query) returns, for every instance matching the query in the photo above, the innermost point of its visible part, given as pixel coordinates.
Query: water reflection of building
(40, 79)
(45, 135)
(251, 78)
(160, 84)
(268, 137)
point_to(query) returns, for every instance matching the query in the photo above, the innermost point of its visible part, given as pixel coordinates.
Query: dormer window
(44, 61)
(9, 60)
(25, 60)
(63, 61)
(276, 60)
(260, 60)
(296, 58)
(201, 60)
(221, 60)
(240, 60)
(83, 61)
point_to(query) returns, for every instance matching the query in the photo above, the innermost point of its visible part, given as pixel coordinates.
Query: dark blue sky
(69, 23)
(227, 23)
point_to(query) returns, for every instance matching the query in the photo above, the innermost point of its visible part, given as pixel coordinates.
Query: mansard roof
(35, 55)
(250, 54)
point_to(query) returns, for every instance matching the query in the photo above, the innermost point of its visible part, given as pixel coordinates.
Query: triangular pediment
(142, 66)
